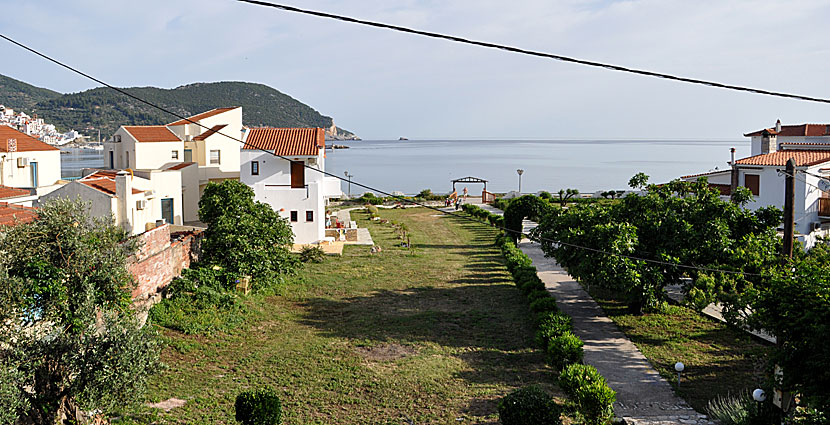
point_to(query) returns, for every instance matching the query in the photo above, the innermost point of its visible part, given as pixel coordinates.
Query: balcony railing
(824, 207)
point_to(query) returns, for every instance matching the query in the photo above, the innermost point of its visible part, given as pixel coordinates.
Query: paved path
(643, 397)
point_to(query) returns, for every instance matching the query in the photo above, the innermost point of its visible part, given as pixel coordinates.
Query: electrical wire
(399, 198)
(537, 53)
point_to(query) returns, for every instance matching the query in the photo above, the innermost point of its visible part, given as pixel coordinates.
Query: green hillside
(19, 95)
(106, 109)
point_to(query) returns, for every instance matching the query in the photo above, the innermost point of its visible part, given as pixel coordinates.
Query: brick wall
(160, 258)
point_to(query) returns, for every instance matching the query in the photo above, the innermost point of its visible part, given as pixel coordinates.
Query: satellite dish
(824, 185)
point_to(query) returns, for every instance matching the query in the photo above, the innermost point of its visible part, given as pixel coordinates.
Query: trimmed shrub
(531, 284)
(565, 349)
(537, 295)
(586, 386)
(258, 407)
(312, 254)
(544, 304)
(528, 406)
(551, 326)
(372, 209)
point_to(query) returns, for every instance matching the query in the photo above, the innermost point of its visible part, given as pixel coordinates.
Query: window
(175, 155)
(214, 157)
(293, 216)
(753, 183)
(309, 216)
(254, 168)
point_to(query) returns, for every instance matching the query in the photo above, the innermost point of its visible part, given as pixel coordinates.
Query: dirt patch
(386, 352)
(167, 405)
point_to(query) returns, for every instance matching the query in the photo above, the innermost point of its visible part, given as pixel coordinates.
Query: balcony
(824, 207)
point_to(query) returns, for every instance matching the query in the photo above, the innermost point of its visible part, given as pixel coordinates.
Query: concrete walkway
(643, 397)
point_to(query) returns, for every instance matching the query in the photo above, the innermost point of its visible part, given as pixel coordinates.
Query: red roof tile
(13, 192)
(780, 158)
(25, 143)
(203, 115)
(210, 132)
(286, 141)
(16, 214)
(151, 133)
(180, 165)
(809, 130)
(103, 181)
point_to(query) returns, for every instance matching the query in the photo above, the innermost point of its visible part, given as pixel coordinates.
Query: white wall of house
(18, 169)
(273, 186)
(755, 142)
(190, 192)
(154, 155)
(100, 204)
(771, 193)
(159, 185)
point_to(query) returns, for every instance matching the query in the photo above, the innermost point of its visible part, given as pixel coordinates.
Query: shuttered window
(753, 183)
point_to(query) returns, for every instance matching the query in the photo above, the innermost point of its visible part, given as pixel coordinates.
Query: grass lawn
(436, 336)
(719, 359)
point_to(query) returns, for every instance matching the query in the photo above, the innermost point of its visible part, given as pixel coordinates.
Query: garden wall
(161, 256)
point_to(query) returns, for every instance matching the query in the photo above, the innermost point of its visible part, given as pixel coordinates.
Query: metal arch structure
(469, 179)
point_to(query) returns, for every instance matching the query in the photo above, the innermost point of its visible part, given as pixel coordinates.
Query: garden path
(643, 396)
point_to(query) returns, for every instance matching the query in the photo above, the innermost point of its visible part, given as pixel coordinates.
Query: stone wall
(161, 257)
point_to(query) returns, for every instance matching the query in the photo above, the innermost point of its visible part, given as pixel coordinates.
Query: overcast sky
(382, 84)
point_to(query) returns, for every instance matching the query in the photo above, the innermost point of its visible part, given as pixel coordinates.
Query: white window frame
(218, 157)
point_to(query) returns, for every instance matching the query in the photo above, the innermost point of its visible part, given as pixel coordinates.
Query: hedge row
(554, 334)
(484, 215)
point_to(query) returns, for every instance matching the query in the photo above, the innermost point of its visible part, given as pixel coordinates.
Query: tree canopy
(69, 340)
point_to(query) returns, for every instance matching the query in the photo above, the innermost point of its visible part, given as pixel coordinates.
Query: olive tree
(69, 340)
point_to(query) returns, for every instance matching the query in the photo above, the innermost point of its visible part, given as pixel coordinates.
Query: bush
(537, 294)
(551, 326)
(496, 220)
(427, 195)
(744, 410)
(312, 254)
(528, 406)
(586, 386)
(545, 195)
(565, 349)
(258, 407)
(544, 304)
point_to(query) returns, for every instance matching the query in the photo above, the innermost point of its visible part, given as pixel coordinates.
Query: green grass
(436, 334)
(719, 359)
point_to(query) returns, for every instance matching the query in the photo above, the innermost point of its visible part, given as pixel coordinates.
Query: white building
(137, 201)
(160, 147)
(26, 162)
(291, 186)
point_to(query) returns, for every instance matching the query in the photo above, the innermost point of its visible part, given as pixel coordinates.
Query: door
(34, 173)
(297, 174)
(167, 209)
(112, 160)
(188, 155)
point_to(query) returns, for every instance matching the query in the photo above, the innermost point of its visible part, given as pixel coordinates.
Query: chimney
(778, 126)
(768, 142)
(732, 150)
(123, 194)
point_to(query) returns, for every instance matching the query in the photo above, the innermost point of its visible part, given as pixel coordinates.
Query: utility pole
(789, 200)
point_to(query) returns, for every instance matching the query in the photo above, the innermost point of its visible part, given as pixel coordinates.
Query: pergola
(469, 180)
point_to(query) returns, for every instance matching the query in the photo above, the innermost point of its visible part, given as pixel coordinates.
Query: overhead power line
(399, 198)
(519, 50)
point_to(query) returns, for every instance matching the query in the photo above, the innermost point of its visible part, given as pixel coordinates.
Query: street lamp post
(349, 176)
(520, 172)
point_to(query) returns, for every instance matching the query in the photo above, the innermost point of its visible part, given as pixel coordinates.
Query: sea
(409, 166)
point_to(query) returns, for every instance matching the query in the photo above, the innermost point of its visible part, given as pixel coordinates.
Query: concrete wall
(101, 204)
(48, 168)
(154, 155)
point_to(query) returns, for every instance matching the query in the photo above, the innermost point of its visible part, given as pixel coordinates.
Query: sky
(381, 84)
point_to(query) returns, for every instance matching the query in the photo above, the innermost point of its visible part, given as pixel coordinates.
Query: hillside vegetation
(106, 109)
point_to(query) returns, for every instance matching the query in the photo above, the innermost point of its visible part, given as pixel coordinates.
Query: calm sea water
(588, 165)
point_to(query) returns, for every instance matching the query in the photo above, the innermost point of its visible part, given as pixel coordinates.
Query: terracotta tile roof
(179, 166)
(286, 141)
(710, 173)
(151, 133)
(809, 130)
(103, 181)
(16, 214)
(25, 143)
(210, 132)
(204, 115)
(13, 192)
(780, 158)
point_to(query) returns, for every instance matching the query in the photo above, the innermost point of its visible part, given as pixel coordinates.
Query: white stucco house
(809, 146)
(291, 186)
(203, 142)
(26, 162)
(136, 200)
